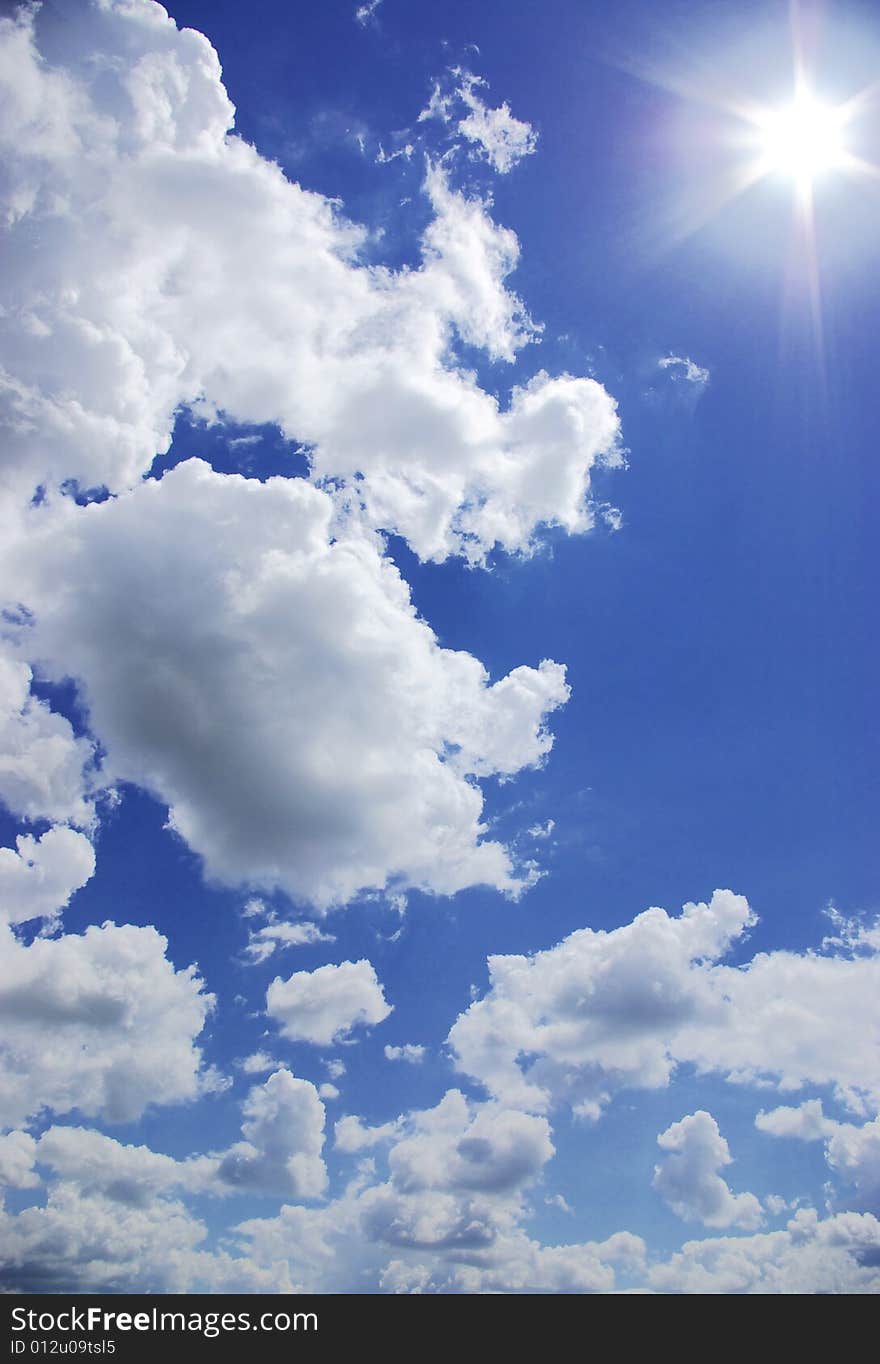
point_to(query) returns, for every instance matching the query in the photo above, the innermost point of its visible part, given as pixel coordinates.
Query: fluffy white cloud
(17, 1155)
(409, 1051)
(276, 687)
(687, 1177)
(516, 1264)
(284, 1137)
(256, 1063)
(96, 1164)
(92, 1243)
(375, 1239)
(456, 1176)
(607, 1010)
(99, 1022)
(39, 877)
(838, 1255)
(283, 1131)
(854, 1155)
(117, 152)
(351, 1134)
(324, 1005)
(495, 134)
(852, 1152)
(458, 1146)
(42, 763)
(806, 1122)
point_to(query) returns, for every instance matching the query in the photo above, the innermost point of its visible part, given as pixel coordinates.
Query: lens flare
(804, 140)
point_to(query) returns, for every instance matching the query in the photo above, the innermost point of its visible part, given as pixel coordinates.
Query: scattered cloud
(323, 1006)
(835, 1255)
(39, 877)
(283, 1133)
(151, 200)
(807, 1122)
(17, 1155)
(683, 370)
(542, 830)
(188, 679)
(100, 1023)
(364, 13)
(352, 1135)
(410, 1052)
(852, 1151)
(43, 765)
(494, 133)
(277, 934)
(687, 1176)
(604, 1011)
(257, 1063)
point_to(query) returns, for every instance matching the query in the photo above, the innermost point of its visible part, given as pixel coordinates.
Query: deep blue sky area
(719, 634)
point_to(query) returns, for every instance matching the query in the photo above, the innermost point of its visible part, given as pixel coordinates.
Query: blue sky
(437, 523)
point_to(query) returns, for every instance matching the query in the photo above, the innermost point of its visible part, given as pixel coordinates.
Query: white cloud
(606, 1010)
(364, 13)
(432, 1241)
(118, 146)
(283, 1138)
(807, 1122)
(852, 1152)
(493, 132)
(542, 830)
(457, 1173)
(280, 1155)
(42, 763)
(324, 1005)
(683, 370)
(100, 1023)
(409, 1051)
(327, 1091)
(687, 1176)
(276, 935)
(132, 1175)
(295, 661)
(517, 1264)
(458, 1146)
(257, 1063)
(838, 1255)
(854, 1155)
(17, 1155)
(92, 1243)
(38, 879)
(352, 1135)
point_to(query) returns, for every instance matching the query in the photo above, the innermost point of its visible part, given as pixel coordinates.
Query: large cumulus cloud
(154, 259)
(99, 1022)
(602, 1011)
(273, 684)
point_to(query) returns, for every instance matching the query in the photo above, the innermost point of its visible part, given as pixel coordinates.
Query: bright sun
(804, 140)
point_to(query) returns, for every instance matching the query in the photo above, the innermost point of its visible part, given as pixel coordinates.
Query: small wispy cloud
(494, 132)
(542, 830)
(275, 935)
(364, 13)
(684, 370)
